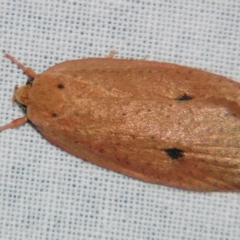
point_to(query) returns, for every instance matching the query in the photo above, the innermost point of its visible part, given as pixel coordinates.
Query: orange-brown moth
(158, 122)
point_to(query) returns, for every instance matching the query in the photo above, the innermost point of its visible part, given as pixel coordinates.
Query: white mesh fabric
(45, 193)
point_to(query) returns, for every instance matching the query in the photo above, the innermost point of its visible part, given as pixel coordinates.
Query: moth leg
(146, 57)
(26, 70)
(14, 124)
(111, 54)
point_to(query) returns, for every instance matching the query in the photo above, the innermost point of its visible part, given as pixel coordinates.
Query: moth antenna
(14, 124)
(28, 71)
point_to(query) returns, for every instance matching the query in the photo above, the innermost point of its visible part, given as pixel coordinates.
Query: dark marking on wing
(60, 86)
(184, 97)
(174, 153)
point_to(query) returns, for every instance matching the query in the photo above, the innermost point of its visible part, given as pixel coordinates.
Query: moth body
(158, 122)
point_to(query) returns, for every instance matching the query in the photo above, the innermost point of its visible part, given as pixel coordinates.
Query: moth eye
(174, 153)
(54, 115)
(23, 107)
(30, 81)
(184, 97)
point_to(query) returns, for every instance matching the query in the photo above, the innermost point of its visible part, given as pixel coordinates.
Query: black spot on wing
(60, 86)
(184, 97)
(174, 153)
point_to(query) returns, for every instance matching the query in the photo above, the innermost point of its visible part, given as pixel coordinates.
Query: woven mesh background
(45, 193)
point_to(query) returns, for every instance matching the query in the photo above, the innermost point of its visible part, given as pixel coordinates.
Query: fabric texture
(46, 193)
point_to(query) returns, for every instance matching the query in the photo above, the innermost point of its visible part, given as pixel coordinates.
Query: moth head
(21, 94)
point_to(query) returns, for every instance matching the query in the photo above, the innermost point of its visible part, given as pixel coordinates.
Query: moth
(158, 122)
